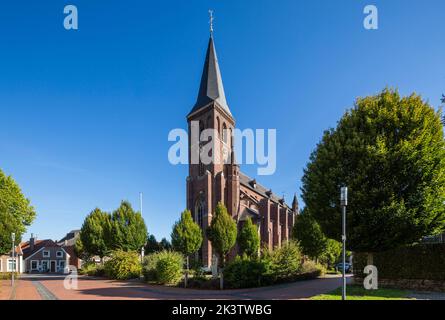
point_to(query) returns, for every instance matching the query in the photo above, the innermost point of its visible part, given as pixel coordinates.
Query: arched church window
(201, 127)
(208, 122)
(224, 133)
(218, 126)
(200, 213)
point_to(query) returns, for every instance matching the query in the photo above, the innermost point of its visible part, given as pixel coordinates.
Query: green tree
(249, 239)
(186, 235)
(390, 152)
(331, 253)
(222, 232)
(92, 233)
(165, 245)
(79, 250)
(308, 233)
(152, 245)
(126, 229)
(16, 212)
(443, 101)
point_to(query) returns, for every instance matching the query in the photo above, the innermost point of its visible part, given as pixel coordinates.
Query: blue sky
(85, 114)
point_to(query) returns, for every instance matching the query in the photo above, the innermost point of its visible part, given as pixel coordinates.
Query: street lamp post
(13, 259)
(344, 203)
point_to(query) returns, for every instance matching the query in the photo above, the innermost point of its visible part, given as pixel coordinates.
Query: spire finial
(211, 21)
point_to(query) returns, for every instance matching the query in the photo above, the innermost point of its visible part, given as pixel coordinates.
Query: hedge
(164, 267)
(123, 265)
(417, 262)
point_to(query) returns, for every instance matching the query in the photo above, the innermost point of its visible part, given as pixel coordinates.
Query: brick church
(222, 181)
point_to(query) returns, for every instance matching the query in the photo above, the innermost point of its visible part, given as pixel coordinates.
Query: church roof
(247, 182)
(211, 88)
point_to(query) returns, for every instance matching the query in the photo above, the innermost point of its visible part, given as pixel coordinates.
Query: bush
(286, 261)
(165, 267)
(246, 272)
(92, 269)
(123, 265)
(8, 275)
(312, 269)
(422, 262)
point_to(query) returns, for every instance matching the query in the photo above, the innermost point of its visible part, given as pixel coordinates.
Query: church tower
(217, 181)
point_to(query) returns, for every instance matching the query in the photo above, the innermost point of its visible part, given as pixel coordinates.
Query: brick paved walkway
(24, 290)
(5, 289)
(102, 289)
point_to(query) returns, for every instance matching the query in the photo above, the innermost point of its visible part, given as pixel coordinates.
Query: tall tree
(332, 253)
(249, 239)
(126, 229)
(186, 235)
(92, 233)
(152, 245)
(16, 212)
(308, 233)
(222, 232)
(390, 152)
(165, 244)
(443, 101)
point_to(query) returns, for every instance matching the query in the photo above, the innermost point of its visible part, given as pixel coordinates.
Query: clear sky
(85, 114)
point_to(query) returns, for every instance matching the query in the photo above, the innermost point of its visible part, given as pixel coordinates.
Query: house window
(34, 264)
(12, 266)
(45, 266)
(45, 253)
(59, 254)
(61, 264)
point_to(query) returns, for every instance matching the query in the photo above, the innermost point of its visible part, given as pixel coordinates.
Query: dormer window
(45, 253)
(59, 254)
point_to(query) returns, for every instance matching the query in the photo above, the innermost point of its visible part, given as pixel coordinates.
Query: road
(44, 287)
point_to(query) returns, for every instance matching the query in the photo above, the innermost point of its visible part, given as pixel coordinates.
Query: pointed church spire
(211, 88)
(295, 204)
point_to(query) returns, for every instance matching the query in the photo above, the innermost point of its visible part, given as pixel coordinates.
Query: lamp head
(344, 196)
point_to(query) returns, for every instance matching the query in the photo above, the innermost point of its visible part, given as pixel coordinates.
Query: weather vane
(211, 20)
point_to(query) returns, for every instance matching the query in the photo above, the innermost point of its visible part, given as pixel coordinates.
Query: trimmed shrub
(312, 269)
(246, 272)
(123, 265)
(417, 262)
(8, 275)
(286, 260)
(165, 267)
(92, 269)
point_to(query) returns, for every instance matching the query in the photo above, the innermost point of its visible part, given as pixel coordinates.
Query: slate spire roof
(211, 88)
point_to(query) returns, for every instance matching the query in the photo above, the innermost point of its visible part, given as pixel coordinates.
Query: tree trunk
(186, 273)
(370, 261)
(221, 273)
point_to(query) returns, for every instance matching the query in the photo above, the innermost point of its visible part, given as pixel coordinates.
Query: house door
(53, 266)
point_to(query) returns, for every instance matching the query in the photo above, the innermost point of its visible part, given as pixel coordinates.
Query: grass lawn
(360, 293)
